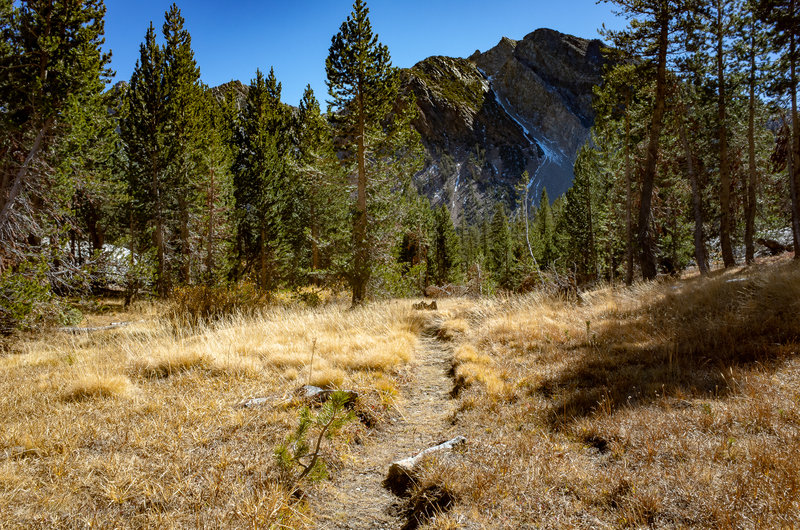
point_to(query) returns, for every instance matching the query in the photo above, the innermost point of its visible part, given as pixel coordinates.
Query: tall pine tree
(143, 135)
(651, 30)
(363, 86)
(183, 134)
(50, 56)
(259, 178)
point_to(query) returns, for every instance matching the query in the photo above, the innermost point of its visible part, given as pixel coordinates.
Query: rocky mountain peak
(522, 105)
(236, 88)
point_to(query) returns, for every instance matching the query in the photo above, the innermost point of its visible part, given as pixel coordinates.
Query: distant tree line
(164, 182)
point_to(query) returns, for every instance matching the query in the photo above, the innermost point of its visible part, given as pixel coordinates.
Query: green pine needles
(300, 452)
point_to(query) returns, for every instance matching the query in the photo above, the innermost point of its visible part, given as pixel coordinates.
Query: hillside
(520, 106)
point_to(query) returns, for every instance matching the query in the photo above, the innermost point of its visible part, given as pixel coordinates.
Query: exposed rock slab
(521, 106)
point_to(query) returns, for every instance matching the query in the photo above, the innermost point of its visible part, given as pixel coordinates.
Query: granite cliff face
(523, 105)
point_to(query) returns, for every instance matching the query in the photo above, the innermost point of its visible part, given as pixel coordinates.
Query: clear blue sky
(232, 38)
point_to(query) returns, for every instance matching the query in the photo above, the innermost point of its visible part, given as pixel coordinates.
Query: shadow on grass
(682, 344)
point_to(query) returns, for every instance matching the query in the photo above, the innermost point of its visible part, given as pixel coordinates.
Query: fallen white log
(113, 325)
(402, 474)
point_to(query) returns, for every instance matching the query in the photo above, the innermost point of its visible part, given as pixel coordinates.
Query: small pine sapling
(297, 451)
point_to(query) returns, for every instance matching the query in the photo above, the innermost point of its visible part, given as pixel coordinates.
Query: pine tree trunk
(724, 165)
(161, 280)
(186, 251)
(96, 235)
(132, 285)
(262, 255)
(361, 254)
(647, 256)
(314, 240)
(750, 203)
(7, 198)
(158, 236)
(592, 250)
(697, 200)
(794, 157)
(210, 230)
(628, 202)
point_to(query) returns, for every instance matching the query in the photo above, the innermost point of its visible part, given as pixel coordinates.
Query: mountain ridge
(535, 112)
(523, 105)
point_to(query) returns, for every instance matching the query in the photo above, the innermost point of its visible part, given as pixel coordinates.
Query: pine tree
(685, 119)
(752, 50)
(499, 258)
(215, 188)
(545, 230)
(578, 219)
(143, 135)
(718, 19)
(783, 19)
(692, 112)
(88, 174)
(362, 85)
(615, 103)
(320, 183)
(652, 27)
(446, 248)
(258, 171)
(49, 56)
(183, 132)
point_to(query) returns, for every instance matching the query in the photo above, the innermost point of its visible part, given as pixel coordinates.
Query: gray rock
(522, 105)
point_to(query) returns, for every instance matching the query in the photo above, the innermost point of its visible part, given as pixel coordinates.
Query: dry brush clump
(670, 404)
(139, 425)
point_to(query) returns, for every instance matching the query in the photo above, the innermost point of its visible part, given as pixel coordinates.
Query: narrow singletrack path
(356, 499)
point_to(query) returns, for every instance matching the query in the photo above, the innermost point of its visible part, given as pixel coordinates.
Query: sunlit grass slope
(672, 404)
(138, 426)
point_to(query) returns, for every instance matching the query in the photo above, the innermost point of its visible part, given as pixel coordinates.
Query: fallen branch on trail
(308, 393)
(113, 325)
(402, 474)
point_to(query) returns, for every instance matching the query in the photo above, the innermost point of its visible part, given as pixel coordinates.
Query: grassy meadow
(138, 426)
(669, 404)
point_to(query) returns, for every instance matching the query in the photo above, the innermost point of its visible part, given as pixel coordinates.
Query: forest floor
(674, 403)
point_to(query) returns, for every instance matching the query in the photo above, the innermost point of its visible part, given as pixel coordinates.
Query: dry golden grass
(99, 386)
(671, 404)
(138, 426)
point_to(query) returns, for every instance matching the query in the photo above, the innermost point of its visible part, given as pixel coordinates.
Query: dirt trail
(356, 499)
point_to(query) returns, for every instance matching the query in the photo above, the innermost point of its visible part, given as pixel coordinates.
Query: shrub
(197, 305)
(299, 451)
(27, 301)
